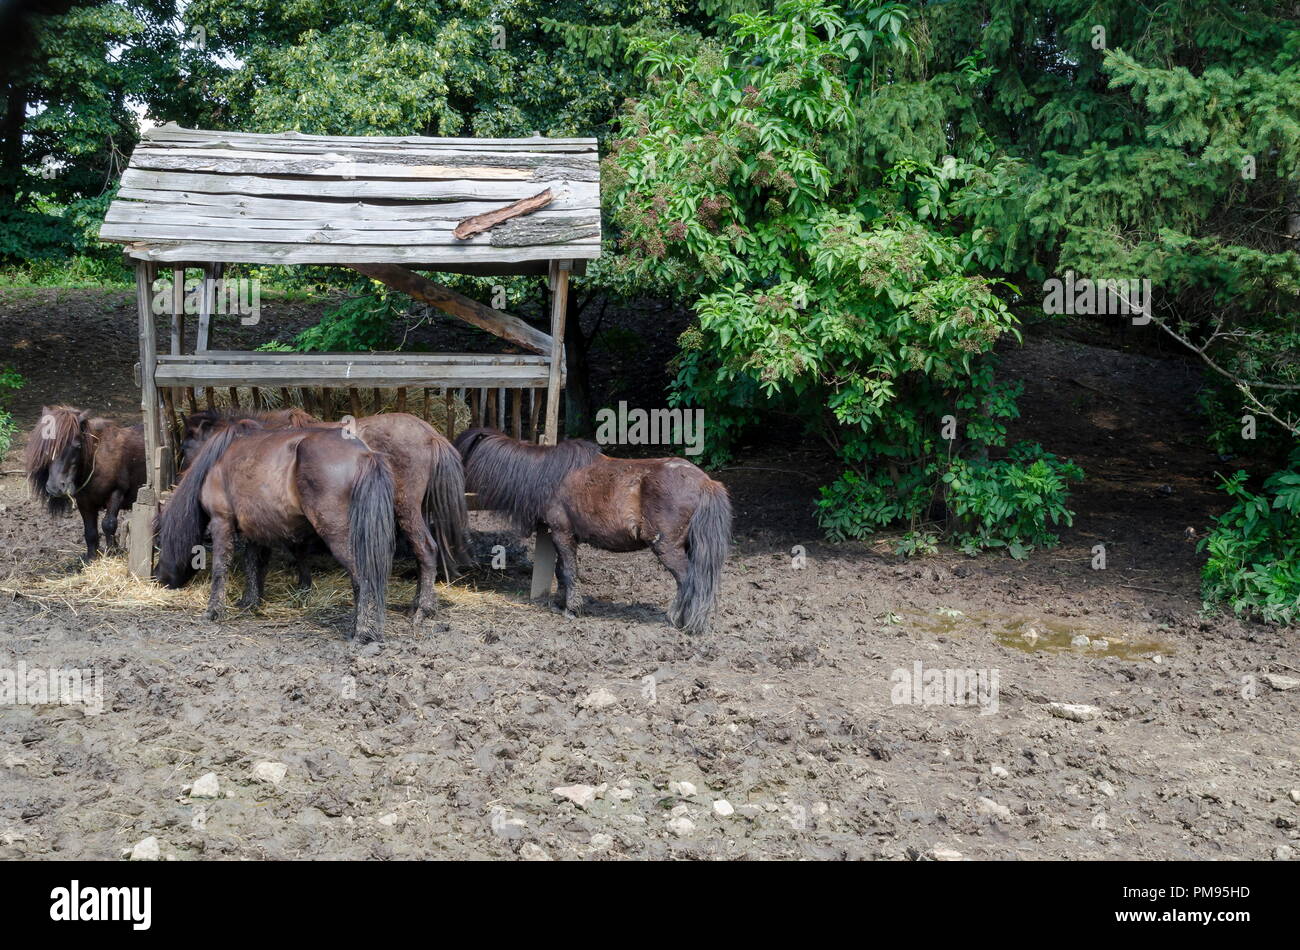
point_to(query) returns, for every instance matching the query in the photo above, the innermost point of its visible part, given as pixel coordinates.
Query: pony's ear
(82, 418)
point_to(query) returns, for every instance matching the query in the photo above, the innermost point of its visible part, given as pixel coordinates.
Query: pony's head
(58, 449)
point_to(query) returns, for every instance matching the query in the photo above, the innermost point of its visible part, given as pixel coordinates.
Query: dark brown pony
(282, 487)
(582, 496)
(427, 472)
(74, 458)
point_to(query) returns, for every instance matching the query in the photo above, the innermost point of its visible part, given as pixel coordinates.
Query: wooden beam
(504, 325)
(559, 309)
(448, 257)
(481, 222)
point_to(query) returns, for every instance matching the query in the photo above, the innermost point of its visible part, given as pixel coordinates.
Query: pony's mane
(40, 452)
(517, 477)
(298, 418)
(182, 521)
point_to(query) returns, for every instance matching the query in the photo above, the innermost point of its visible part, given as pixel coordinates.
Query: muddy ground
(450, 744)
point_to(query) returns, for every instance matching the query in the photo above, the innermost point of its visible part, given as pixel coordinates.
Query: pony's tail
(183, 520)
(708, 537)
(445, 509)
(371, 535)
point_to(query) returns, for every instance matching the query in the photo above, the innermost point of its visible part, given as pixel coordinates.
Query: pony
(582, 496)
(73, 457)
(430, 487)
(281, 486)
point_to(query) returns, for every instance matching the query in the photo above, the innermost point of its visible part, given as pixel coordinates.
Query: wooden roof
(194, 196)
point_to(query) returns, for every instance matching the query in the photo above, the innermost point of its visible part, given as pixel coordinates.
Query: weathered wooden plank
(502, 324)
(526, 232)
(171, 131)
(308, 206)
(425, 257)
(394, 359)
(460, 190)
(520, 162)
(180, 373)
(547, 233)
(482, 222)
(325, 168)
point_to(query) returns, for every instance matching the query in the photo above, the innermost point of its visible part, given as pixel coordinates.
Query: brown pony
(72, 457)
(665, 504)
(430, 487)
(282, 486)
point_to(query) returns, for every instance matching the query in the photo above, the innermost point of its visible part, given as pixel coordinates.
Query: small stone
(601, 842)
(749, 811)
(679, 810)
(206, 787)
(505, 827)
(388, 820)
(1030, 637)
(683, 789)
(580, 795)
(1101, 644)
(272, 773)
(999, 772)
(1280, 683)
(1106, 788)
(533, 852)
(622, 794)
(635, 819)
(988, 806)
(681, 826)
(945, 854)
(146, 850)
(1283, 852)
(722, 808)
(1075, 712)
(598, 699)
(820, 809)
(1080, 641)
(1295, 795)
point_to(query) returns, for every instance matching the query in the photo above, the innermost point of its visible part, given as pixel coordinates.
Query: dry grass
(107, 583)
(339, 404)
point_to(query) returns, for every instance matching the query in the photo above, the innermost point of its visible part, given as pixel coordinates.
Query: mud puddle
(1031, 633)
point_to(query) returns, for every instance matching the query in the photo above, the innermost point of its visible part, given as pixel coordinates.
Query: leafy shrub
(1011, 503)
(1254, 548)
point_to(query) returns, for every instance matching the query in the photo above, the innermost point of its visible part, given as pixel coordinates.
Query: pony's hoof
(213, 614)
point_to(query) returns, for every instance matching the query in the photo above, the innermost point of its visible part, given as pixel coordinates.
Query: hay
(338, 403)
(107, 583)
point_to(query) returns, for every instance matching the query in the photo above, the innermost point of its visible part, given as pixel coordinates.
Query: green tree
(829, 287)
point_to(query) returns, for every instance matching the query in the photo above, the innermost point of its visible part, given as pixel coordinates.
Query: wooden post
(140, 551)
(559, 307)
(544, 547)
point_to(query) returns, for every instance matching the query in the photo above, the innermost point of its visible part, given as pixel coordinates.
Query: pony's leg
(257, 557)
(566, 570)
(299, 551)
(110, 521)
(223, 545)
(89, 532)
(425, 550)
(673, 557)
